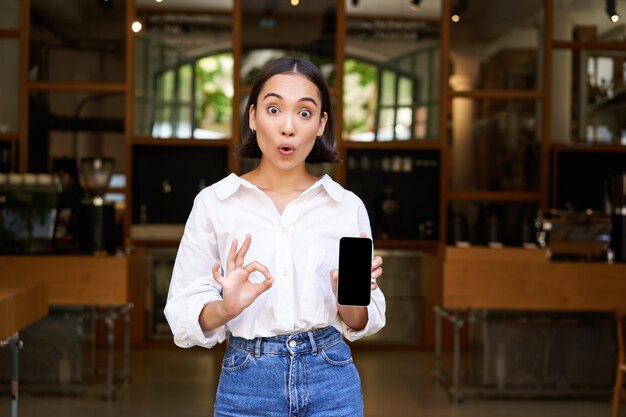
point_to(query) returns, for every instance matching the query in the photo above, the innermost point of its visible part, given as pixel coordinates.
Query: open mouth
(285, 149)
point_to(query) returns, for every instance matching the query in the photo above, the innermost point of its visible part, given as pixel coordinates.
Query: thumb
(363, 234)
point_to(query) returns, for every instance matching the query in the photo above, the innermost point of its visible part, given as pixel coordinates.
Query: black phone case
(355, 271)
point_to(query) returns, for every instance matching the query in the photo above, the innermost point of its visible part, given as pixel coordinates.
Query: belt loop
(257, 347)
(313, 344)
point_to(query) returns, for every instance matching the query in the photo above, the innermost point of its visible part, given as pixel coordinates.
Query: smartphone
(355, 271)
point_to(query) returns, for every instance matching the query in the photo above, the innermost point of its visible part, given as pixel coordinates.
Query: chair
(619, 392)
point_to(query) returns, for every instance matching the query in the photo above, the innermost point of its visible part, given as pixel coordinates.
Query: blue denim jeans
(309, 374)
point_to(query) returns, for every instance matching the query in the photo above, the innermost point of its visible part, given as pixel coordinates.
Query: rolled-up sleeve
(192, 285)
(375, 319)
(376, 309)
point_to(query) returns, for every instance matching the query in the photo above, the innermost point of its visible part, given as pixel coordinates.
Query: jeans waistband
(305, 342)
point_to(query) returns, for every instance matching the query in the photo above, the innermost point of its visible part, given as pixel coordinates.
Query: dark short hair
(324, 148)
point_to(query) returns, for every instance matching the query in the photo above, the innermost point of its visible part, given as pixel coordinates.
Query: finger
(374, 285)
(216, 272)
(376, 262)
(363, 234)
(230, 260)
(255, 266)
(264, 286)
(241, 255)
(334, 274)
(377, 273)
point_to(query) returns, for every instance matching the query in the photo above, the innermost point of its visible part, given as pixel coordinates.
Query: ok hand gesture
(237, 291)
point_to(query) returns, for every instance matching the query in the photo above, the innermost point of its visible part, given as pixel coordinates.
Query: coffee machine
(617, 200)
(97, 217)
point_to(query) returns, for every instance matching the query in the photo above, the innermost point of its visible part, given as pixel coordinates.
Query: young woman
(257, 262)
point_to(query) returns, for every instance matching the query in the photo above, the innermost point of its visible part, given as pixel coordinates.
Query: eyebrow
(278, 96)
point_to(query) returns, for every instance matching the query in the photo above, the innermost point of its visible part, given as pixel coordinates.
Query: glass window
(274, 28)
(587, 21)
(74, 125)
(495, 144)
(492, 223)
(590, 89)
(84, 41)
(10, 16)
(183, 77)
(390, 80)
(494, 45)
(386, 125)
(405, 91)
(214, 97)
(9, 76)
(388, 89)
(359, 100)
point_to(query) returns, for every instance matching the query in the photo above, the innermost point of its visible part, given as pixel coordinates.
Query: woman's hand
(377, 271)
(237, 291)
(356, 317)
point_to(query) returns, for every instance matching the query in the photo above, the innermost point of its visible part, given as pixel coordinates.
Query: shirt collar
(229, 185)
(334, 190)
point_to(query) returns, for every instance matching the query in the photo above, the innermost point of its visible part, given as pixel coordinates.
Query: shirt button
(284, 272)
(292, 343)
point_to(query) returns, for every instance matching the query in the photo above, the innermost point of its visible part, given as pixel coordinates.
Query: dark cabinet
(166, 180)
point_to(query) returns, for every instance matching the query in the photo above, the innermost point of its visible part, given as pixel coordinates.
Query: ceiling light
(611, 10)
(414, 4)
(136, 26)
(457, 9)
(295, 2)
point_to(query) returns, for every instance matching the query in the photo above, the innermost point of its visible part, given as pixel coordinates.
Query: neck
(267, 177)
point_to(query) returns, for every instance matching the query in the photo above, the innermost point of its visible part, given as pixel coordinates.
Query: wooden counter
(525, 279)
(72, 279)
(20, 306)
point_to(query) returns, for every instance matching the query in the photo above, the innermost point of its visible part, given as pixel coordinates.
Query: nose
(288, 127)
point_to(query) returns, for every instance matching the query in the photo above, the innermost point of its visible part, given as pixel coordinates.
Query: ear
(322, 126)
(252, 117)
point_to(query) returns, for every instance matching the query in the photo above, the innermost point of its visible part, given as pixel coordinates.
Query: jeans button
(292, 343)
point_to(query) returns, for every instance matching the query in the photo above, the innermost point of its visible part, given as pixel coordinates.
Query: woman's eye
(305, 113)
(272, 109)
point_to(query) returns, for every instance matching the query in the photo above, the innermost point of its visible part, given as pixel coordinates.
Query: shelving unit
(9, 135)
(434, 196)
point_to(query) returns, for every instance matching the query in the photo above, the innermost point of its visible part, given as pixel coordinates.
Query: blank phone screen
(355, 271)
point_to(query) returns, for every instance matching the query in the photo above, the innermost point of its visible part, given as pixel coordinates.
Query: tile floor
(396, 383)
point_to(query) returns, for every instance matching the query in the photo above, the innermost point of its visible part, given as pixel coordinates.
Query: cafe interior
(486, 138)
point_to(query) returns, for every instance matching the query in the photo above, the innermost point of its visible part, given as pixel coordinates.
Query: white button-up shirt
(299, 248)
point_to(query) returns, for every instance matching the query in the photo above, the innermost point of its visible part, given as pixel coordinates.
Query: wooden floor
(177, 382)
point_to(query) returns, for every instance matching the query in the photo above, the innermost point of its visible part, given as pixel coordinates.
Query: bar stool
(619, 392)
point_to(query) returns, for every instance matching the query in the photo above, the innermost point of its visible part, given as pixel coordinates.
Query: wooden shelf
(395, 145)
(152, 141)
(405, 244)
(9, 137)
(9, 33)
(524, 279)
(588, 148)
(499, 94)
(499, 196)
(596, 45)
(21, 304)
(69, 86)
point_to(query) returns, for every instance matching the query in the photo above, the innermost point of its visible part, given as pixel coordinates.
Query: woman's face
(287, 118)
